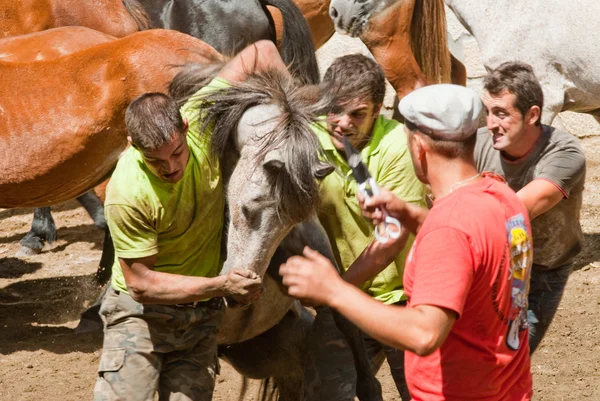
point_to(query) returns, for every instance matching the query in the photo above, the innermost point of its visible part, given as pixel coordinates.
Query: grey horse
(261, 131)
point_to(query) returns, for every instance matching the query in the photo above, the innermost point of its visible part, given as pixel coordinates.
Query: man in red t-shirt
(467, 275)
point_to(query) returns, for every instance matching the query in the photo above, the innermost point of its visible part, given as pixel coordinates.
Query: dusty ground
(41, 358)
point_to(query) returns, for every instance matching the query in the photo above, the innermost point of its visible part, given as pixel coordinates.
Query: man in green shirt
(164, 207)
(377, 268)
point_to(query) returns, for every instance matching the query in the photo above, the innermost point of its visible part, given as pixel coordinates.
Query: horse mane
(297, 48)
(138, 13)
(428, 40)
(191, 78)
(294, 188)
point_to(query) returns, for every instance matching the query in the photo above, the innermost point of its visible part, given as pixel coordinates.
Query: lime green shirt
(388, 160)
(180, 223)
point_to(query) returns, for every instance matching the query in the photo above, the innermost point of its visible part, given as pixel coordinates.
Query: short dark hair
(152, 119)
(448, 149)
(517, 78)
(356, 75)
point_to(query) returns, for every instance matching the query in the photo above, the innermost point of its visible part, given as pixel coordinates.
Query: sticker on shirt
(521, 258)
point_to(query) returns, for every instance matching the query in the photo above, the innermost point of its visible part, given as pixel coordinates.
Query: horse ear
(273, 160)
(322, 170)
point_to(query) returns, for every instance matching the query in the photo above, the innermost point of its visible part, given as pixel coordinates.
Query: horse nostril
(333, 12)
(352, 21)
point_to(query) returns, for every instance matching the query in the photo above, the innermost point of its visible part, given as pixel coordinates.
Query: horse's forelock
(294, 189)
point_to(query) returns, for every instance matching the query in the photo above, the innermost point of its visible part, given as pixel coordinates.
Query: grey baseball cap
(443, 111)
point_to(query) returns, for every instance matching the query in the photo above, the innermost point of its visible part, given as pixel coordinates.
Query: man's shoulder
(559, 140)
(129, 183)
(388, 136)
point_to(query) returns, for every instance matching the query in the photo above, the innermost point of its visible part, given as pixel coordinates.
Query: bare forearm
(413, 217)
(396, 326)
(374, 259)
(169, 289)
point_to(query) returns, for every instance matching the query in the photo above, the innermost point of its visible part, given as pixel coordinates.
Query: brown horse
(62, 120)
(114, 17)
(408, 41)
(47, 45)
(50, 44)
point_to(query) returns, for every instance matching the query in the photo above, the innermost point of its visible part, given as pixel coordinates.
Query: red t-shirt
(473, 256)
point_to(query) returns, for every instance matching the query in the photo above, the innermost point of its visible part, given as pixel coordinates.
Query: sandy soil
(41, 357)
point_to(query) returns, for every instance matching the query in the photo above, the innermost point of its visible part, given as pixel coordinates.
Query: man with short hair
(546, 167)
(466, 278)
(165, 207)
(359, 84)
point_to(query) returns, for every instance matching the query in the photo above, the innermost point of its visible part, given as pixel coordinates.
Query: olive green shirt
(389, 162)
(180, 223)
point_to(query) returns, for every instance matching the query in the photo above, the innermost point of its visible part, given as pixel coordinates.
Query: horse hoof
(26, 251)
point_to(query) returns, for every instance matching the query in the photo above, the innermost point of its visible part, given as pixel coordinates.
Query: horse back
(50, 44)
(27, 16)
(64, 115)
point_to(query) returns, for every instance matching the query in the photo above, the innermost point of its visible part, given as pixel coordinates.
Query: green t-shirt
(388, 160)
(180, 223)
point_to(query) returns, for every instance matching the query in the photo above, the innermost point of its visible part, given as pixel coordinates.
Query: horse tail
(428, 40)
(139, 15)
(297, 49)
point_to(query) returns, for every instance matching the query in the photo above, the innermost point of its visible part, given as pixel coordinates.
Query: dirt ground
(41, 357)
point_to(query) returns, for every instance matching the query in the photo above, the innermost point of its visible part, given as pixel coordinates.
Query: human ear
(533, 115)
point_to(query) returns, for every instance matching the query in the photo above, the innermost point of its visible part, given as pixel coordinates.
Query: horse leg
(106, 260)
(93, 205)
(311, 233)
(42, 230)
(90, 320)
(279, 353)
(458, 71)
(368, 387)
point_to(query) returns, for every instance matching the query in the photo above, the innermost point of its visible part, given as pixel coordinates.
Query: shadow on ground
(32, 311)
(590, 253)
(67, 236)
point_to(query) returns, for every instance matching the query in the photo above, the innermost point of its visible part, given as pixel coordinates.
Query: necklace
(463, 181)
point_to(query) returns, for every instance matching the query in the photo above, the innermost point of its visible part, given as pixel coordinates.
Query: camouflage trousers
(150, 348)
(330, 374)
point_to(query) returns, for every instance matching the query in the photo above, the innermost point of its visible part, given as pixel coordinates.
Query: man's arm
(411, 216)
(259, 56)
(539, 196)
(374, 259)
(421, 329)
(148, 286)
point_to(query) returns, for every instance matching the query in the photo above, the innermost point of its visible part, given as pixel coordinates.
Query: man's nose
(491, 121)
(344, 122)
(169, 166)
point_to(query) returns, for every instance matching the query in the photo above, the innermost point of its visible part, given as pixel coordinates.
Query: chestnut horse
(408, 40)
(228, 26)
(63, 125)
(114, 17)
(47, 45)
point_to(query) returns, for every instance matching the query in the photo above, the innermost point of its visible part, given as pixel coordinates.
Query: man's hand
(371, 208)
(243, 285)
(411, 216)
(311, 278)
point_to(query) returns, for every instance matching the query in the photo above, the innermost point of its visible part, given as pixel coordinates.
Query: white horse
(558, 38)
(270, 160)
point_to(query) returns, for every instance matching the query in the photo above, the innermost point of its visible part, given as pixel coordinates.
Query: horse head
(270, 156)
(261, 132)
(351, 17)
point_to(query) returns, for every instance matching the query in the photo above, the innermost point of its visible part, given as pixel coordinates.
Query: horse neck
(388, 39)
(475, 15)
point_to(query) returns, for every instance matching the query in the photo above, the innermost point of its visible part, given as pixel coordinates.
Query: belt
(213, 303)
